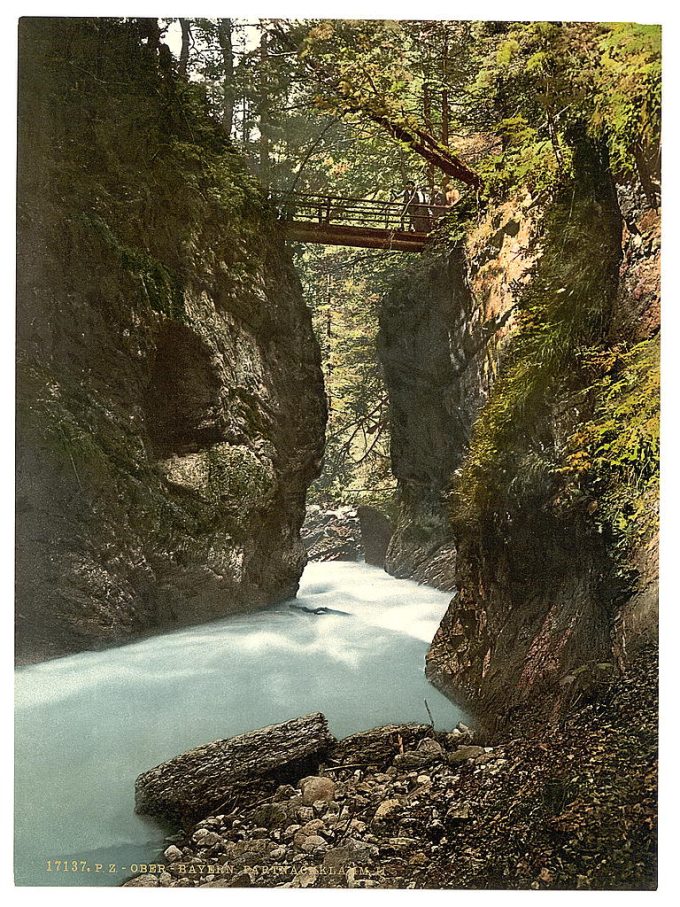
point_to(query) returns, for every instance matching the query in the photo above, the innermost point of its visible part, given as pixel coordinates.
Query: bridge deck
(363, 237)
(367, 223)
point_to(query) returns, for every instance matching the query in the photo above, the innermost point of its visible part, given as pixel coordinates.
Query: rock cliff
(170, 399)
(522, 368)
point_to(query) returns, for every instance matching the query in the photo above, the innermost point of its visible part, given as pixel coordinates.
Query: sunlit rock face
(543, 602)
(170, 404)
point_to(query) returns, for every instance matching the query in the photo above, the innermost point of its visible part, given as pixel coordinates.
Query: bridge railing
(358, 212)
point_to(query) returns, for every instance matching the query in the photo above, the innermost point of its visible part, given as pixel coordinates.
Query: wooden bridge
(368, 223)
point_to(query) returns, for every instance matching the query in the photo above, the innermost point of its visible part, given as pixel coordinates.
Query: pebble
(459, 813)
(312, 842)
(387, 808)
(306, 877)
(143, 881)
(315, 788)
(172, 854)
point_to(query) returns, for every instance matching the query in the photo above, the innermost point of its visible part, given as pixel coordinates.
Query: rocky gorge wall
(170, 399)
(522, 368)
(441, 335)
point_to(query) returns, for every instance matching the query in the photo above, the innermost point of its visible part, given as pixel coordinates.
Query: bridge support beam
(362, 237)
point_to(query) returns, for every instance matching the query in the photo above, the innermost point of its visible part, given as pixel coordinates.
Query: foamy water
(88, 724)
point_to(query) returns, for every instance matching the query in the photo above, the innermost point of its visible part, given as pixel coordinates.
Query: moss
(160, 287)
(571, 428)
(239, 479)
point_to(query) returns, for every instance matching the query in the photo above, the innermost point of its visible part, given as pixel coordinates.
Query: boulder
(462, 753)
(376, 532)
(331, 535)
(198, 783)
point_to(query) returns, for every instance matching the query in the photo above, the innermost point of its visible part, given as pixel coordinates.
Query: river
(88, 724)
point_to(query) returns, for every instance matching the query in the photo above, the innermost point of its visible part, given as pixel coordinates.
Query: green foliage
(343, 289)
(540, 80)
(136, 168)
(627, 109)
(526, 160)
(162, 289)
(613, 456)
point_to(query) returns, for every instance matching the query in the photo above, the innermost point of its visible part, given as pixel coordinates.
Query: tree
(355, 80)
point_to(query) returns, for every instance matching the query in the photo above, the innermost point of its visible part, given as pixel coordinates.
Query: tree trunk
(185, 25)
(264, 112)
(445, 93)
(427, 119)
(224, 35)
(205, 780)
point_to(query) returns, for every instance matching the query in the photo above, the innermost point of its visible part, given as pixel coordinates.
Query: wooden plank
(362, 237)
(211, 777)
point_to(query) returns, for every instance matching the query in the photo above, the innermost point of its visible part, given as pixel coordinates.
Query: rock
(308, 829)
(306, 877)
(197, 397)
(241, 880)
(143, 881)
(458, 812)
(331, 535)
(219, 883)
(305, 814)
(376, 532)
(284, 792)
(427, 752)
(462, 753)
(311, 842)
(378, 746)
(207, 838)
(192, 785)
(457, 737)
(271, 815)
(352, 851)
(484, 758)
(172, 854)
(387, 808)
(317, 788)
(430, 746)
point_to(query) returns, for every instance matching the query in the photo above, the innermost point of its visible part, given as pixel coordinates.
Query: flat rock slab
(201, 781)
(378, 746)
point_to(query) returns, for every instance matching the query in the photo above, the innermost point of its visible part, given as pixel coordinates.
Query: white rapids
(88, 724)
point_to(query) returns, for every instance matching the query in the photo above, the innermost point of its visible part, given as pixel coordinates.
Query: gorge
(188, 381)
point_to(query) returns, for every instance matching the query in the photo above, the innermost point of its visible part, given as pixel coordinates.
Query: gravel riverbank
(567, 806)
